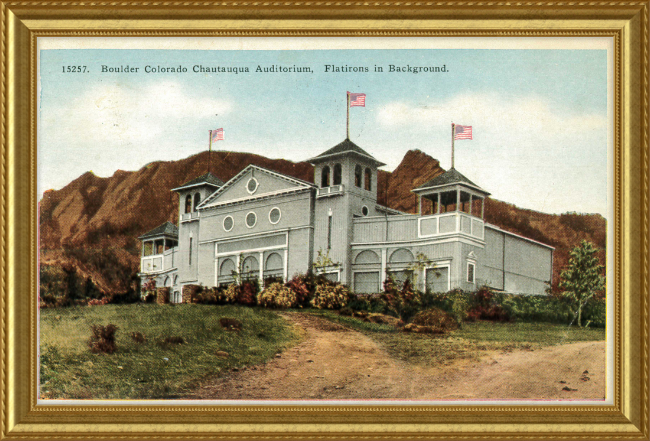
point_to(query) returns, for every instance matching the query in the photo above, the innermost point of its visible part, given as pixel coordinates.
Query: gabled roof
(450, 177)
(206, 179)
(166, 229)
(298, 182)
(345, 147)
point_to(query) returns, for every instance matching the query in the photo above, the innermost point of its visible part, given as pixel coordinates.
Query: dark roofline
(167, 229)
(206, 179)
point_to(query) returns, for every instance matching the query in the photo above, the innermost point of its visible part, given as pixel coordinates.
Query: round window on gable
(251, 219)
(365, 211)
(228, 223)
(274, 215)
(252, 185)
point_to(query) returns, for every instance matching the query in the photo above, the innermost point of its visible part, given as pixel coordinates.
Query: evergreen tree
(583, 277)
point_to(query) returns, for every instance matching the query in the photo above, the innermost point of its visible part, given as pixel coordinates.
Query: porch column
(261, 275)
(439, 202)
(470, 204)
(383, 266)
(420, 204)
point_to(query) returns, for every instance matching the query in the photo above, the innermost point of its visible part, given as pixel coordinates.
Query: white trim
(473, 282)
(241, 200)
(451, 184)
(246, 219)
(336, 271)
(284, 231)
(271, 211)
(422, 242)
(495, 228)
(286, 263)
(233, 180)
(251, 250)
(257, 184)
(223, 223)
(200, 184)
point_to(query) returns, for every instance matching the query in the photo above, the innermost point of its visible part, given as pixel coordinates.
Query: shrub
(301, 285)
(148, 289)
(191, 292)
(277, 295)
(230, 324)
(138, 337)
(485, 308)
(404, 302)
(330, 296)
(211, 296)
(231, 293)
(248, 293)
(98, 302)
(433, 321)
(103, 339)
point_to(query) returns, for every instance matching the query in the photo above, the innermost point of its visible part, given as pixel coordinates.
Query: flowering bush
(248, 294)
(301, 285)
(404, 302)
(231, 293)
(277, 295)
(330, 296)
(148, 292)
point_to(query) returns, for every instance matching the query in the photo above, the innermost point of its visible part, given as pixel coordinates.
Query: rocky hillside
(90, 227)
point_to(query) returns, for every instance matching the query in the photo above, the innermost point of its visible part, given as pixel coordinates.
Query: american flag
(357, 99)
(462, 132)
(217, 135)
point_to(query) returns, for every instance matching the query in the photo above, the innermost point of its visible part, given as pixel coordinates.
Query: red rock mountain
(91, 225)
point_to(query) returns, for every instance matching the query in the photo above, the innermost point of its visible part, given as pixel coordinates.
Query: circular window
(228, 223)
(274, 215)
(251, 219)
(252, 185)
(364, 211)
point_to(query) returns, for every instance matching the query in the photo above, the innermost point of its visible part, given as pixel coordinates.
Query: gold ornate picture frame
(23, 22)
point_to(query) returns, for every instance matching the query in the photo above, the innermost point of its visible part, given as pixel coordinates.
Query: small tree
(582, 279)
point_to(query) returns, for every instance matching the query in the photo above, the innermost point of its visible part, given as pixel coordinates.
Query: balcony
(332, 190)
(408, 228)
(189, 216)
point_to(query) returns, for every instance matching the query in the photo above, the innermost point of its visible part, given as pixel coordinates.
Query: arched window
(368, 181)
(188, 203)
(325, 177)
(337, 174)
(197, 200)
(357, 175)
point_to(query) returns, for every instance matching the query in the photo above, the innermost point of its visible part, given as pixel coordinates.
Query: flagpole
(347, 120)
(210, 151)
(452, 144)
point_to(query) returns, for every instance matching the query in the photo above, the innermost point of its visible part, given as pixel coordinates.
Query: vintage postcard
(325, 220)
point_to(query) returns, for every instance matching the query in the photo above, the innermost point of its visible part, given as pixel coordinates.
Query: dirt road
(337, 363)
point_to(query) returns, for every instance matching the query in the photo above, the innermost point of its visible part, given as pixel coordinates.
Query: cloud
(111, 126)
(526, 149)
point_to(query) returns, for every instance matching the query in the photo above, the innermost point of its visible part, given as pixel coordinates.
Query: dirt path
(334, 363)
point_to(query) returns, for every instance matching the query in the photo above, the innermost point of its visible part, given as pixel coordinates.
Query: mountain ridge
(91, 226)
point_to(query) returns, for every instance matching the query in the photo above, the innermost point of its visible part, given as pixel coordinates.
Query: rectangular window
(190, 250)
(470, 272)
(329, 232)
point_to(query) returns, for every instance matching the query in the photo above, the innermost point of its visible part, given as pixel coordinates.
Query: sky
(539, 117)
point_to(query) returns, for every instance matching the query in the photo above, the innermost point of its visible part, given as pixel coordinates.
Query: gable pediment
(251, 183)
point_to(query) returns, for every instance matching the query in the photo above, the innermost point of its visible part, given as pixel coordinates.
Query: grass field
(151, 370)
(469, 341)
